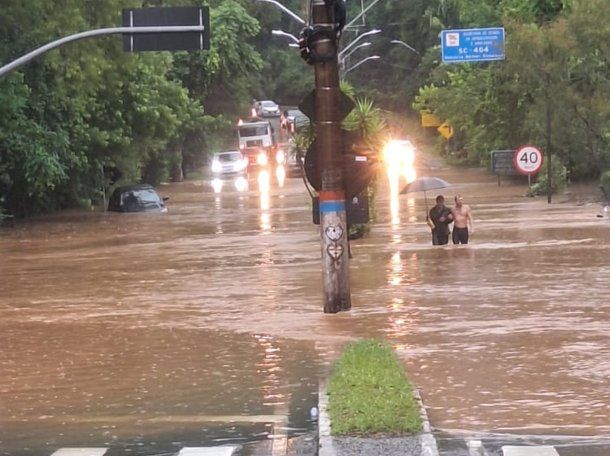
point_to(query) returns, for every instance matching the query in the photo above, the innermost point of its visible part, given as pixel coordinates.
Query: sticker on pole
(527, 160)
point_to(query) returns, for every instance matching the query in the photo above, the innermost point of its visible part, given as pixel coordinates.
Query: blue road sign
(472, 45)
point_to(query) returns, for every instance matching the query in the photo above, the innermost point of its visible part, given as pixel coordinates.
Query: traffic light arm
(94, 33)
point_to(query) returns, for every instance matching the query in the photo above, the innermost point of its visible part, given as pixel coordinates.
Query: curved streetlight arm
(358, 38)
(372, 57)
(411, 48)
(284, 9)
(343, 57)
(93, 33)
(286, 34)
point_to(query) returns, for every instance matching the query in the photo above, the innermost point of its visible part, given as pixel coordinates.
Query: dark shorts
(460, 235)
(439, 239)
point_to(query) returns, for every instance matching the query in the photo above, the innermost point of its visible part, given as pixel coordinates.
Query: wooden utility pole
(329, 139)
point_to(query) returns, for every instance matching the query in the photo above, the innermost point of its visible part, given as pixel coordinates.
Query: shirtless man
(462, 221)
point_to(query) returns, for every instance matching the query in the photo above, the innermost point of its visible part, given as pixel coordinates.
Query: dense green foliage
(369, 393)
(88, 116)
(556, 70)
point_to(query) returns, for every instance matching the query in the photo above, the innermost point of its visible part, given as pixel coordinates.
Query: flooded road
(205, 325)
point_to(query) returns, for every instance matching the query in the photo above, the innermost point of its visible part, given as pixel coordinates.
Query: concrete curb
(428, 442)
(328, 446)
(325, 440)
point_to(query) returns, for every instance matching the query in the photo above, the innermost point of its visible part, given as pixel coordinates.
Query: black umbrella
(424, 184)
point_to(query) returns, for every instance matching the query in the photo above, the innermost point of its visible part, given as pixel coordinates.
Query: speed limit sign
(527, 160)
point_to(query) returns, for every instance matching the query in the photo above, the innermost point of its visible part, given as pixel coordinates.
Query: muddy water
(203, 325)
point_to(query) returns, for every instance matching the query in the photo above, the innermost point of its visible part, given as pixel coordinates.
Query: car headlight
(241, 164)
(216, 167)
(280, 158)
(262, 159)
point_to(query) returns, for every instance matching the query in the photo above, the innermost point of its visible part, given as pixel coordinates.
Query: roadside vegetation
(89, 116)
(369, 393)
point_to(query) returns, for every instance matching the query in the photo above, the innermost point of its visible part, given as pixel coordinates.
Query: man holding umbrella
(440, 216)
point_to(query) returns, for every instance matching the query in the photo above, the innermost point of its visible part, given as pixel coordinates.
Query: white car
(230, 162)
(267, 108)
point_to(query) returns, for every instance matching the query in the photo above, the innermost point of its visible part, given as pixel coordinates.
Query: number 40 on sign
(527, 160)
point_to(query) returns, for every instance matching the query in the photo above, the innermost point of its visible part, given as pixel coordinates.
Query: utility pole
(549, 146)
(329, 139)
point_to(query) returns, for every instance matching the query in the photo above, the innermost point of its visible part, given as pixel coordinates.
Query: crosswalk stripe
(543, 450)
(80, 452)
(208, 451)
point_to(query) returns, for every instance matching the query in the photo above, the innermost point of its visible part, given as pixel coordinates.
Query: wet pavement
(149, 332)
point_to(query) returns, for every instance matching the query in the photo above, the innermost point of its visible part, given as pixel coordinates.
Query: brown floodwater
(205, 324)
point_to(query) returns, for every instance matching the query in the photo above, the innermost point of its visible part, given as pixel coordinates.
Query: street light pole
(284, 9)
(372, 57)
(329, 141)
(91, 34)
(286, 34)
(411, 48)
(344, 57)
(358, 38)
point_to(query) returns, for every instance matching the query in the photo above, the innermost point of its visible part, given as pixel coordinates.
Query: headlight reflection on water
(264, 187)
(280, 174)
(217, 185)
(399, 156)
(241, 184)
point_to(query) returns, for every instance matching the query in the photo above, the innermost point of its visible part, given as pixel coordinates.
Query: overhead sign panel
(167, 17)
(472, 45)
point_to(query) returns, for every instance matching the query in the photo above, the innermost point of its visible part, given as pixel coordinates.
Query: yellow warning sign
(430, 120)
(446, 130)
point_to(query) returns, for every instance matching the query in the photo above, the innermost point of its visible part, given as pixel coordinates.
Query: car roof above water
(133, 188)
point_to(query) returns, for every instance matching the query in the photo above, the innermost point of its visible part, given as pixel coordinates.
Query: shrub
(559, 179)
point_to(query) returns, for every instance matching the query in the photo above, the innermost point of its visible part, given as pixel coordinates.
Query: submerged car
(136, 198)
(230, 162)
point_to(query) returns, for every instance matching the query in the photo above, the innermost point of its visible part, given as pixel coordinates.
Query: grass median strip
(369, 393)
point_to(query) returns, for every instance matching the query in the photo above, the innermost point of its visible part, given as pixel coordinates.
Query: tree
(558, 67)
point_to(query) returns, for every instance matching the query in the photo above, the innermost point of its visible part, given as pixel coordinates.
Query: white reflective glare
(264, 181)
(241, 184)
(217, 185)
(264, 186)
(280, 174)
(216, 166)
(262, 159)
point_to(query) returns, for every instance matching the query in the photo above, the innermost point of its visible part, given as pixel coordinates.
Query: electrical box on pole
(167, 17)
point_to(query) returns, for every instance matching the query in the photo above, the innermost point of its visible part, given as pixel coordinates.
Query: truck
(257, 142)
